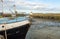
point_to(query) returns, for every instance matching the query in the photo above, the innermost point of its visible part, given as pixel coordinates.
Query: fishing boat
(14, 28)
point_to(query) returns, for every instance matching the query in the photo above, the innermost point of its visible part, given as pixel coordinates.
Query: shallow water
(40, 27)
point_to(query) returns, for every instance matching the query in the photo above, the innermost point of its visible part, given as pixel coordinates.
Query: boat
(14, 28)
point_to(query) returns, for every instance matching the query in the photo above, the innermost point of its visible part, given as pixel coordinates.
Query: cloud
(29, 5)
(9, 0)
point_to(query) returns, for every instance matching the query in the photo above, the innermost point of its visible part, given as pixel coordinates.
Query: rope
(5, 33)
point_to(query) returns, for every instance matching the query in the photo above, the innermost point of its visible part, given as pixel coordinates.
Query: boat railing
(8, 20)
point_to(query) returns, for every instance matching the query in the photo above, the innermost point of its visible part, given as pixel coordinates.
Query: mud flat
(44, 29)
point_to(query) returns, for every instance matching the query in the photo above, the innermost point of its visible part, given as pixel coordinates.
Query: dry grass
(46, 16)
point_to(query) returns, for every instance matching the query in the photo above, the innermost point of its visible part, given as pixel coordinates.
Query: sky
(40, 6)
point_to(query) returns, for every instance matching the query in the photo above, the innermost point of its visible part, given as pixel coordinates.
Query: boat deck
(13, 25)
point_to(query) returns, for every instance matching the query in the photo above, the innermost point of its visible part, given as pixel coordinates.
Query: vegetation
(46, 16)
(20, 15)
(1, 16)
(10, 15)
(7, 15)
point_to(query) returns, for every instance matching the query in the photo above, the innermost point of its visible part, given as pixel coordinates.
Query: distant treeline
(10, 15)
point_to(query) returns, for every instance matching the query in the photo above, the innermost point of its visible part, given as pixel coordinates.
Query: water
(44, 29)
(7, 20)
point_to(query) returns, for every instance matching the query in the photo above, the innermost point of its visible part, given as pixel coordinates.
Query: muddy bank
(44, 29)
